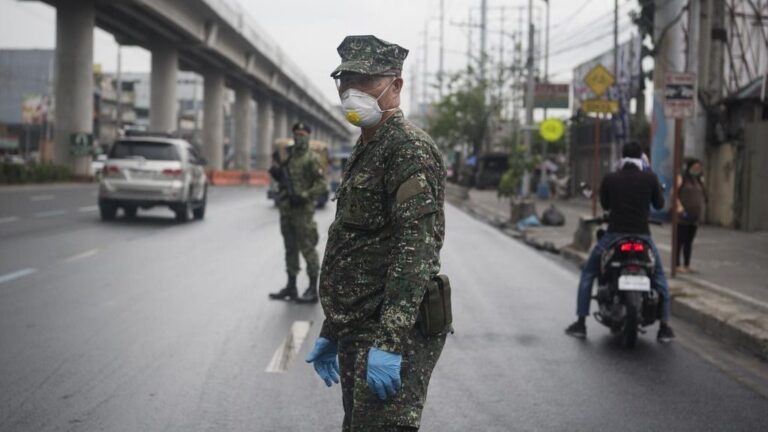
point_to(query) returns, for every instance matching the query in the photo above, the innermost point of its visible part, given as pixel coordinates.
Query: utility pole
(614, 145)
(483, 37)
(691, 130)
(119, 91)
(669, 49)
(502, 66)
(529, 99)
(414, 90)
(546, 49)
(543, 187)
(469, 42)
(441, 72)
(425, 72)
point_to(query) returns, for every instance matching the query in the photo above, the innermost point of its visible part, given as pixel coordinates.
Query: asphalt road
(147, 325)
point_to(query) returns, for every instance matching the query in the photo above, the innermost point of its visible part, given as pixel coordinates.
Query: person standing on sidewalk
(301, 182)
(383, 249)
(628, 195)
(690, 207)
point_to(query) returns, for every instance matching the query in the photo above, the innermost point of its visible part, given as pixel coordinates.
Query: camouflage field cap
(369, 55)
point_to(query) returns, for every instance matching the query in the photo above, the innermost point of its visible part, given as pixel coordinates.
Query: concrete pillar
(74, 80)
(264, 140)
(213, 119)
(163, 102)
(669, 58)
(281, 122)
(243, 123)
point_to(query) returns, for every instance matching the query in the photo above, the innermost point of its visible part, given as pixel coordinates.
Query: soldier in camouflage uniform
(383, 248)
(301, 182)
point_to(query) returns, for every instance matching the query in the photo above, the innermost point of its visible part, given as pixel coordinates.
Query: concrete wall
(755, 182)
(721, 184)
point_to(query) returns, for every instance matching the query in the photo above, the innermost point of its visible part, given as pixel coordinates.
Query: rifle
(283, 177)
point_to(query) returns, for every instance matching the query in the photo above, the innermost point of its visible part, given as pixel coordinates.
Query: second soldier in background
(301, 182)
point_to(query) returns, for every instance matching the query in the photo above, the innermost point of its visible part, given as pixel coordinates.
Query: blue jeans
(592, 268)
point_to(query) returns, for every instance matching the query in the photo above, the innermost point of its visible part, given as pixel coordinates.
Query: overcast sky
(310, 30)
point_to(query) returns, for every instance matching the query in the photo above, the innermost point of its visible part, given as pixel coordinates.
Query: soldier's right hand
(297, 200)
(323, 358)
(276, 173)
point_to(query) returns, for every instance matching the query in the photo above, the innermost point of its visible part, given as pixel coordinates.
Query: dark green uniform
(297, 220)
(383, 248)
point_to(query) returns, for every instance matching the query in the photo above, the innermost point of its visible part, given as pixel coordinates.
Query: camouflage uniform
(297, 222)
(383, 248)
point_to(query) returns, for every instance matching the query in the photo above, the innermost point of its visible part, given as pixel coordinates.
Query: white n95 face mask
(362, 109)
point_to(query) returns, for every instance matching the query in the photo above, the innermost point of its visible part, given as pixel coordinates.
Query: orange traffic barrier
(237, 177)
(259, 178)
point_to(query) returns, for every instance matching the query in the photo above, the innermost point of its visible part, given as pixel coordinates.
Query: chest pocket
(364, 202)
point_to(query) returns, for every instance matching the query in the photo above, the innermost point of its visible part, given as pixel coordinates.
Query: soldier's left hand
(384, 372)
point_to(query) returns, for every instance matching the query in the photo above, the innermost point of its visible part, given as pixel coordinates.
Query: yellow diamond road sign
(551, 130)
(599, 80)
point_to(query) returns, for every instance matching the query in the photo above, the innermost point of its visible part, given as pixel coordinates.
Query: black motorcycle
(625, 296)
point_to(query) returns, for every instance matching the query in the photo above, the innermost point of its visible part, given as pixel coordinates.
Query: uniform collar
(395, 119)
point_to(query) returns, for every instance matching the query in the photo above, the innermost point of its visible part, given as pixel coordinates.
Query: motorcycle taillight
(632, 247)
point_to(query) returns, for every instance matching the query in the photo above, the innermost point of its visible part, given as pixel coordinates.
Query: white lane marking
(290, 347)
(86, 254)
(8, 219)
(50, 213)
(17, 274)
(89, 209)
(664, 247)
(42, 197)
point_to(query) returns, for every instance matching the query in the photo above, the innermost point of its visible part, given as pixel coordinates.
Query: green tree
(461, 117)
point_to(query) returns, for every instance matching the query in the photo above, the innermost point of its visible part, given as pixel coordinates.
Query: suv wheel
(107, 211)
(199, 211)
(183, 211)
(130, 211)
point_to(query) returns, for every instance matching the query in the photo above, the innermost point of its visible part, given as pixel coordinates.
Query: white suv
(148, 171)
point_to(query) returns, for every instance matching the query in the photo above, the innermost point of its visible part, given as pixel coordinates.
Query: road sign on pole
(551, 129)
(603, 106)
(599, 80)
(679, 94)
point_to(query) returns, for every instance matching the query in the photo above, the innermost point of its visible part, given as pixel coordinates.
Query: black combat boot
(310, 294)
(287, 293)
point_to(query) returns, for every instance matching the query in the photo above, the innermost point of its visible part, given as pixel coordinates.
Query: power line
(585, 43)
(587, 26)
(569, 20)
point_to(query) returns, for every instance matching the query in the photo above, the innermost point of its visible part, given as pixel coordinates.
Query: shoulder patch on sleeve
(411, 187)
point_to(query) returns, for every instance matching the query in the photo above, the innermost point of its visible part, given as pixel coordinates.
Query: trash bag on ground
(553, 217)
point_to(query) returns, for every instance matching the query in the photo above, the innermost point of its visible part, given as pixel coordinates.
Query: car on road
(97, 165)
(148, 171)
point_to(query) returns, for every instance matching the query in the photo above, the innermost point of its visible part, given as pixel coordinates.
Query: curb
(721, 313)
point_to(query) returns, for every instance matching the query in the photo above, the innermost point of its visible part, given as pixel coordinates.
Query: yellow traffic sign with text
(600, 106)
(599, 80)
(551, 130)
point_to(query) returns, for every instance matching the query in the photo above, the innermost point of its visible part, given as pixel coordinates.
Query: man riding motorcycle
(627, 194)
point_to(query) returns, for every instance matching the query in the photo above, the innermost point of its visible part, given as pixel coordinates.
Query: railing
(240, 20)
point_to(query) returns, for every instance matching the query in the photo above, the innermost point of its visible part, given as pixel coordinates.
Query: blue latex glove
(384, 372)
(323, 358)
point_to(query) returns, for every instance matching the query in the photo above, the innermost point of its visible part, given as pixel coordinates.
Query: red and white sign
(679, 94)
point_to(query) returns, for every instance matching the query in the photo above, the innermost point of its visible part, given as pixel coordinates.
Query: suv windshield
(146, 149)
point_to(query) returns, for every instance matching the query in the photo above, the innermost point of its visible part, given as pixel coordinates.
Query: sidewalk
(727, 295)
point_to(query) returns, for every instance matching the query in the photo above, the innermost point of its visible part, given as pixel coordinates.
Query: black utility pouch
(435, 316)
